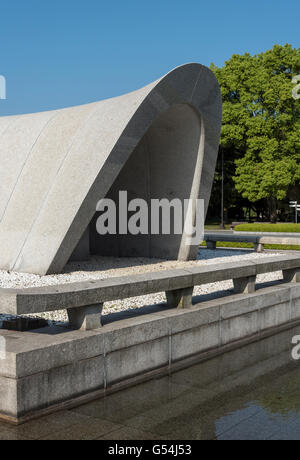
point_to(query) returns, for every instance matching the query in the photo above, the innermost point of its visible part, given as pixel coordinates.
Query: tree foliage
(261, 122)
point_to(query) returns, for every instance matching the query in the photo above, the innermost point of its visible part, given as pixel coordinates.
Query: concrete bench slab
(88, 294)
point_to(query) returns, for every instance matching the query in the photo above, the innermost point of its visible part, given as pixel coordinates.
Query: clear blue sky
(57, 53)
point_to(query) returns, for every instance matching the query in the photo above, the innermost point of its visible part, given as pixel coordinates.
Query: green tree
(261, 123)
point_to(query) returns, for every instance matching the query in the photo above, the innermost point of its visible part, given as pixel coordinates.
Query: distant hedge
(287, 228)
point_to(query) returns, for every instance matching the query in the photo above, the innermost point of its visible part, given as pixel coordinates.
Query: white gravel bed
(107, 267)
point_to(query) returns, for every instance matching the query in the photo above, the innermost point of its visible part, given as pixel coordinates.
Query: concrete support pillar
(258, 247)
(244, 285)
(85, 318)
(211, 244)
(291, 275)
(180, 298)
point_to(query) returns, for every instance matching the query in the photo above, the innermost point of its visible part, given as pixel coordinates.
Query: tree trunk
(272, 204)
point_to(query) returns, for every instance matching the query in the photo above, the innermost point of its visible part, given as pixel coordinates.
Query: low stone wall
(50, 369)
(258, 239)
(84, 300)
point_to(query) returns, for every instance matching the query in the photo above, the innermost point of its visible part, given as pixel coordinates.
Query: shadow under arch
(196, 88)
(166, 164)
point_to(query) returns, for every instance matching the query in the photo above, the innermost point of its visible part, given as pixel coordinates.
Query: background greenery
(286, 228)
(260, 137)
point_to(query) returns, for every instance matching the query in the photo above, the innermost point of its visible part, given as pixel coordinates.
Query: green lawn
(215, 227)
(283, 247)
(284, 228)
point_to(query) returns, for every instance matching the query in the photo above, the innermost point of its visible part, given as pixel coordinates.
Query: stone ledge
(51, 367)
(74, 295)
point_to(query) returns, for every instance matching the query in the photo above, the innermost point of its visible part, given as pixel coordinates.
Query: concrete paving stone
(124, 402)
(130, 434)
(223, 424)
(6, 435)
(197, 376)
(88, 429)
(34, 429)
(103, 410)
(66, 419)
(257, 427)
(143, 397)
(179, 407)
(288, 431)
(245, 383)
(166, 429)
(155, 392)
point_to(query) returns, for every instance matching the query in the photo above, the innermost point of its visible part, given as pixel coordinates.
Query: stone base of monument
(53, 368)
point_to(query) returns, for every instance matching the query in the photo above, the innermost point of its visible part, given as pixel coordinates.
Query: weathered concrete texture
(177, 283)
(46, 368)
(85, 318)
(62, 163)
(246, 285)
(166, 164)
(180, 298)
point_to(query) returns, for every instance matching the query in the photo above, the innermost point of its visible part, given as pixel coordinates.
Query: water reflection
(249, 393)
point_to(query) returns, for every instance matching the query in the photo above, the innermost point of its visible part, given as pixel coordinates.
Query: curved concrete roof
(56, 165)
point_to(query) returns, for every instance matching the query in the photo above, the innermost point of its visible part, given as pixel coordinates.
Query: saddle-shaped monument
(158, 142)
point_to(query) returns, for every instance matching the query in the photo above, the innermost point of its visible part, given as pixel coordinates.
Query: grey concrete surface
(85, 318)
(246, 285)
(48, 368)
(180, 298)
(86, 293)
(248, 393)
(158, 168)
(61, 163)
